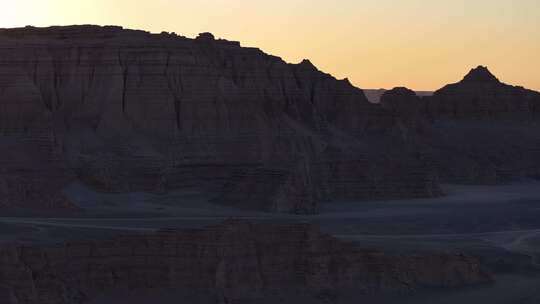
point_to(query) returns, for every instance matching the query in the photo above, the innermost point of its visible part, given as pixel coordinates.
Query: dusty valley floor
(500, 224)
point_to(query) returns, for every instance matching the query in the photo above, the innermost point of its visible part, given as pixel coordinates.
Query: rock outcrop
(374, 96)
(32, 175)
(275, 190)
(485, 152)
(408, 111)
(233, 261)
(128, 110)
(481, 96)
(477, 131)
(484, 131)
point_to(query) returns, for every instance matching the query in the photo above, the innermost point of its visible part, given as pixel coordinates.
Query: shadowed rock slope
(478, 130)
(125, 110)
(481, 96)
(232, 262)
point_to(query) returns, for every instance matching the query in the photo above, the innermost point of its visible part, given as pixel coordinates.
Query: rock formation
(234, 261)
(481, 96)
(274, 190)
(374, 96)
(407, 109)
(485, 131)
(32, 175)
(127, 110)
(478, 131)
(124, 110)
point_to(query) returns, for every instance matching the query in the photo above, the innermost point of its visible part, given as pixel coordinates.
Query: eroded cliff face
(476, 131)
(274, 190)
(32, 175)
(119, 82)
(233, 261)
(485, 131)
(481, 96)
(126, 110)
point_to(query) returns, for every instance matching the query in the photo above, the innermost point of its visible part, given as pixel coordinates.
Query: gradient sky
(421, 44)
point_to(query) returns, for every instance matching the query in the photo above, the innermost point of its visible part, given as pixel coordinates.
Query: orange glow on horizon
(375, 43)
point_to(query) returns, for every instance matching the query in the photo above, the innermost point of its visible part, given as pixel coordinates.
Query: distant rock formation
(480, 75)
(234, 261)
(486, 131)
(481, 96)
(126, 110)
(483, 131)
(404, 104)
(374, 96)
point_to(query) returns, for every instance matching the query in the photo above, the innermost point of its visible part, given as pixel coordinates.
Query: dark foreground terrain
(498, 230)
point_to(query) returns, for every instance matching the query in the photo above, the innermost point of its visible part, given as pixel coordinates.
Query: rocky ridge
(125, 110)
(234, 261)
(476, 131)
(481, 96)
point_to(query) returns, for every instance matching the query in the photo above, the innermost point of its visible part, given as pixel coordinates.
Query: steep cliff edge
(126, 110)
(234, 261)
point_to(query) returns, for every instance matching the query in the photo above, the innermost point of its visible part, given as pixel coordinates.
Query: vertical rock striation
(128, 110)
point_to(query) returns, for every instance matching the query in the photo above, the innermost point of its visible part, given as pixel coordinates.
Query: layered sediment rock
(233, 261)
(126, 110)
(477, 131)
(481, 96)
(131, 111)
(32, 175)
(276, 190)
(476, 152)
(409, 113)
(485, 131)
(389, 176)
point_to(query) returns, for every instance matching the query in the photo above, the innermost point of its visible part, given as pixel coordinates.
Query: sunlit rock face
(232, 262)
(126, 110)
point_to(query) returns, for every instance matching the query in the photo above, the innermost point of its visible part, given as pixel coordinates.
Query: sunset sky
(421, 44)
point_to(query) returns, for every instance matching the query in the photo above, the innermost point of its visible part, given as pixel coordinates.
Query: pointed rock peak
(307, 64)
(346, 80)
(480, 74)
